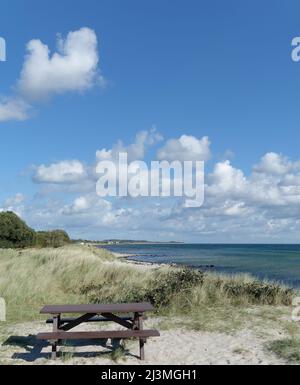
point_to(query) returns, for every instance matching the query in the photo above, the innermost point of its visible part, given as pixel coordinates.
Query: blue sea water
(274, 262)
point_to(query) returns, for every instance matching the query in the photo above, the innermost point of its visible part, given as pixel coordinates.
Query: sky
(206, 80)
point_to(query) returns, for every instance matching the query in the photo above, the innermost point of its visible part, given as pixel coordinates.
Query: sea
(280, 263)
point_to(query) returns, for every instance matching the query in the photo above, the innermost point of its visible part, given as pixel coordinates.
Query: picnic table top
(98, 308)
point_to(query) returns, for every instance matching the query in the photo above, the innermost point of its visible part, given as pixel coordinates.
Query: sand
(126, 258)
(174, 346)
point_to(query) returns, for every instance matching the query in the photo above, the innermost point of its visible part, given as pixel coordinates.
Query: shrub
(161, 291)
(288, 349)
(56, 238)
(14, 232)
(259, 292)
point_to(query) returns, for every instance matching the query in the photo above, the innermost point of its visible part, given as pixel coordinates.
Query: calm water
(275, 262)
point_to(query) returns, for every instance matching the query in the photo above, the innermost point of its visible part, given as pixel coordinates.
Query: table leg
(138, 325)
(56, 325)
(53, 350)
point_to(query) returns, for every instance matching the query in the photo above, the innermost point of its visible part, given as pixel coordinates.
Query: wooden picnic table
(133, 323)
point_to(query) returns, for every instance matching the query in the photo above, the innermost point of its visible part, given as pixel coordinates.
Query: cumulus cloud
(272, 163)
(13, 109)
(69, 171)
(226, 179)
(185, 148)
(14, 203)
(86, 204)
(72, 68)
(263, 205)
(14, 200)
(135, 151)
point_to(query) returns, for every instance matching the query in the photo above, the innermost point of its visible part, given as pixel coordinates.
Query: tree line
(14, 233)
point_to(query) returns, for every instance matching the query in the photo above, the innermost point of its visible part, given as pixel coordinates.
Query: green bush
(287, 348)
(159, 291)
(14, 232)
(259, 292)
(55, 238)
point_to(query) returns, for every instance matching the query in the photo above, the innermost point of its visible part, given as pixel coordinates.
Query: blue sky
(196, 68)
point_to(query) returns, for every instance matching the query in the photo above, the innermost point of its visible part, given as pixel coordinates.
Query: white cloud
(69, 171)
(185, 148)
(14, 203)
(273, 163)
(72, 68)
(14, 200)
(225, 179)
(135, 151)
(87, 204)
(13, 109)
(261, 206)
(80, 204)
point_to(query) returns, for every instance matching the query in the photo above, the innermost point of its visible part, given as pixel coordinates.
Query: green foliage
(176, 281)
(14, 232)
(160, 289)
(287, 348)
(55, 238)
(259, 292)
(84, 274)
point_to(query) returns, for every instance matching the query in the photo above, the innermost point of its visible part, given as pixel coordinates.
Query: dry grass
(78, 274)
(73, 274)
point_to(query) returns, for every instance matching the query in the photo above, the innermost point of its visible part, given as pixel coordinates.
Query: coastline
(128, 259)
(127, 256)
(262, 264)
(215, 321)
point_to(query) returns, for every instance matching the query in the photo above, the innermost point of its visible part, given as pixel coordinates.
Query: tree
(55, 238)
(14, 232)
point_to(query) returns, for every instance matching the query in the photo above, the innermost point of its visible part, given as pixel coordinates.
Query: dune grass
(31, 278)
(287, 348)
(183, 298)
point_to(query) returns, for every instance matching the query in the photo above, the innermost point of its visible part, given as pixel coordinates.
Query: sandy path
(173, 347)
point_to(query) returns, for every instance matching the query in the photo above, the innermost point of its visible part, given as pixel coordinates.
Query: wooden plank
(56, 322)
(118, 320)
(53, 350)
(77, 321)
(62, 335)
(139, 322)
(98, 308)
(93, 319)
(142, 349)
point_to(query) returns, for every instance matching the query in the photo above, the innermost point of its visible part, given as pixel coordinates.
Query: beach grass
(31, 278)
(184, 298)
(287, 348)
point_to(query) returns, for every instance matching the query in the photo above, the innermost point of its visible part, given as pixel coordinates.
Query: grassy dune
(77, 274)
(32, 277)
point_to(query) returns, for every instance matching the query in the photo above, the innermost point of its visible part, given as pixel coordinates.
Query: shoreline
(201, 322)
(205, 269)
(139, 263)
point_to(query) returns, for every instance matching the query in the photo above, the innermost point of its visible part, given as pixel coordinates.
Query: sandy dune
(173, 347)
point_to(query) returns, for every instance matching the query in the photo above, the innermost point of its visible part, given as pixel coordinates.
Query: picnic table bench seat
(133, 324)
(114, 334)
(93, 319)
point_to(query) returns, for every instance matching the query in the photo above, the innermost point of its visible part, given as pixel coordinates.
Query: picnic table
(132, 322)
